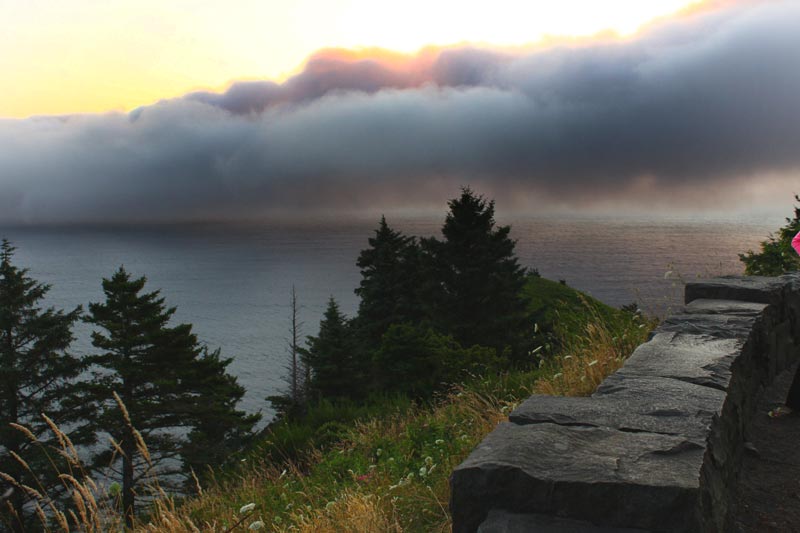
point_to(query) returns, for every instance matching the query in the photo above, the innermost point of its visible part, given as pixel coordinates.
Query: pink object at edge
(796, 242)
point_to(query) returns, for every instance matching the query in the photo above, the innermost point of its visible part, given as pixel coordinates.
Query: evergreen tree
(337, 371)
(218, 428)
(777, 255)
(176, 393)
(37, 375)
(476, 294)
(389, 284)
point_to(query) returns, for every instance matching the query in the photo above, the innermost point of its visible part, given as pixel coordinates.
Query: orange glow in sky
(100, 55)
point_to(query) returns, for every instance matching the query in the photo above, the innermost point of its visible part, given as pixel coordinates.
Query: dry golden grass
(91, 509)
(587, 359)
(353, 512)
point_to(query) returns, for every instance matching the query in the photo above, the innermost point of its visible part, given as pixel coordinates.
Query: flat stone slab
(760, 289)
(713, 325)
(729, 319)
(631, 403)
(601, 475)
(500, 521)
(700, 359)
(707, 306)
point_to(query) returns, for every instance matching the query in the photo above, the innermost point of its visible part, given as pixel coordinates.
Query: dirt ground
(768, 492)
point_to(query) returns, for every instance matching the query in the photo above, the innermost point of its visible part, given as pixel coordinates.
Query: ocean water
(233, 281)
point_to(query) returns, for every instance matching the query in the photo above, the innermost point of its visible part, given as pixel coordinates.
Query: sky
(132, 53)
(119, 111)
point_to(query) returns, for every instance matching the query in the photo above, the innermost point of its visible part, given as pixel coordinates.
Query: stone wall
(658, 445)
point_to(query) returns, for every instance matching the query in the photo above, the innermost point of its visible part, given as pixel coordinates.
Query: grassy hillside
(384, 465)
(564, 310)
(584, 339)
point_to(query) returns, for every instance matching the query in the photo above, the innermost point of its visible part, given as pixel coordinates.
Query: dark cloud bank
(689, 110)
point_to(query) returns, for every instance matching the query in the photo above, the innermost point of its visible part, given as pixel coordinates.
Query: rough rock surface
(757, 289)
(634, 404)
(724, 307)
(660, 443)
(505, 522)
(767, 493)
(601, 475)
(700, 359)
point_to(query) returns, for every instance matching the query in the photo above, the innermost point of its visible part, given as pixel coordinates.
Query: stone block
(759, 289)
(705, 306)
(713, 325)
(600, 475)
(632, 403)
(500, 521)
(700, 359)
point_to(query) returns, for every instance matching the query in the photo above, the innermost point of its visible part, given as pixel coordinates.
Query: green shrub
(777, 255)
(418, 361)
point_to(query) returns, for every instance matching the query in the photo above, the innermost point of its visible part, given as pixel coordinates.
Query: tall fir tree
(37, 375)
(389, 284)
(777, 255)
(337, 369)
(476, 294)
(177, 394)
